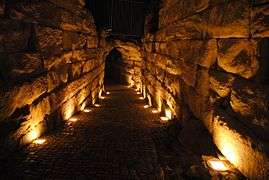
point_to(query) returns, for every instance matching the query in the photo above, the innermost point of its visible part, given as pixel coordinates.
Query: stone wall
(51, 66)
(212, 57)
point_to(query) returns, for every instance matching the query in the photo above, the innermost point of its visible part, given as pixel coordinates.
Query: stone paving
(118, 140)
(111, 142)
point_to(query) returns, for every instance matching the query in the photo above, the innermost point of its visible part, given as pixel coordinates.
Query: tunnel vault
(202, 60)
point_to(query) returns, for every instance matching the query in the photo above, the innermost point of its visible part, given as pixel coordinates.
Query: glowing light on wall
(163, 118)
(100, 93)
(218, 165)
(102, 97)
(32, 135)
(227, 142)
(144, 92)
(39, 141)
(97, 105)
(73, 119)
(168, 113)
(142, 98)
(155, 111)
(108, 93)
(149, 100)
(83, 105)
(146, 106)
(68, 109)
(87, 110)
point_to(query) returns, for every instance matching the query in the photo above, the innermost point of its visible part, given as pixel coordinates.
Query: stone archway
(127, 60)
(113, 68)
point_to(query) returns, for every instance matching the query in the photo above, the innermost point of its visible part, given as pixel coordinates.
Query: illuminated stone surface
(204, 56)
(115, 142)
(207, 59)
(49, 65)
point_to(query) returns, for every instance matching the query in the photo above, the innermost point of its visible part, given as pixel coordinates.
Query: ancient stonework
(212, 48)
(51, 65)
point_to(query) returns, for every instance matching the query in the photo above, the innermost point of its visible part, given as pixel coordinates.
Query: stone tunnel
(200, 64)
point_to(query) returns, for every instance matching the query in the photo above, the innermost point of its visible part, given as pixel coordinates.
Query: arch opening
(113, 68)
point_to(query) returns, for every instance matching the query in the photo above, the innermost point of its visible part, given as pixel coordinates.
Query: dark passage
(113, 74)
(118, 140)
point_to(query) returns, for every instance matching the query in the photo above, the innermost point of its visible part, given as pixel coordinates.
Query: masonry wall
(212, 57)
(51, 66)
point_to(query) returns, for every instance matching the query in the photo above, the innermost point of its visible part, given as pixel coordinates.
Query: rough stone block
(35, 124)
(260, 21)
(199, 105)
(53, 62)
(250, 102)
(50, 14)
(76, 70)
(15, 35)
(84, 55)
(71, 5)
(49, 41)
(21, 96)
(18, 66)
(92, 42)
(238, 57)
(180, 10)
(194, 27)
(88, 66)
(57, 77)
(240, 146)
(72, 40)
(230, 19)
(221, 83)
(209, 56)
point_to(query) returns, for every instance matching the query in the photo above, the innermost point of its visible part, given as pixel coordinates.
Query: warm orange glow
(83, 106)
(108, 93)
(68, 109)
(163, 118)
(102, 97)
(155, 111)
(142, 98)
(146, 106)
(34, 134)
(138, 93)
(168, 113)
(149, 100)
(87, 110)
(73, 119)
(217, 165)
(97, 105)
(39, 141)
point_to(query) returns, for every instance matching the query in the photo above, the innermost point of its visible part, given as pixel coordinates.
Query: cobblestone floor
(118, 140)
(111, 142)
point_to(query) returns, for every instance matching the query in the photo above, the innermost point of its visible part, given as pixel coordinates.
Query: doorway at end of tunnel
(114, 68)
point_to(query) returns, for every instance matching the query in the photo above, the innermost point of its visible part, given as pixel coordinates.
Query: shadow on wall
(113, 68)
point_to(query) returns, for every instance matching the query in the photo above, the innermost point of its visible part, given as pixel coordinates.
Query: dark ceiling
(121, 17)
